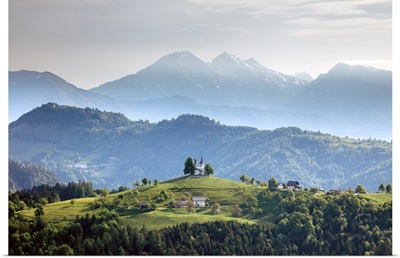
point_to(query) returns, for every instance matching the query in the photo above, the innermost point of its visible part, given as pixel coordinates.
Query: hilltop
(110, 150)
(246, 216)
(226, 192)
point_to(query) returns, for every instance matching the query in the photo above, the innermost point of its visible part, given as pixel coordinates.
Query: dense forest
(305, 224)
(110, 150)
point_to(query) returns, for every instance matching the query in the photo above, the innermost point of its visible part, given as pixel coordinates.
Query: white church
(200, 168)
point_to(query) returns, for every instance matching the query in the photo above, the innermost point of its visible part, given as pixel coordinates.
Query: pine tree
(190, 167)
(381, 188)
(389, 188)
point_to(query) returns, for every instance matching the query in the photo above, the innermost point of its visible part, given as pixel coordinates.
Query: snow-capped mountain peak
(230, 65)
(183, 58)
(227, 59)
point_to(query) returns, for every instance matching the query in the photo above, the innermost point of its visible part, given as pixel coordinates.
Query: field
(226, 192)
(376, 197)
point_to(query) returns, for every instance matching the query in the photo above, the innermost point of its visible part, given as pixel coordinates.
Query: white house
(293, 185)
(199, 201)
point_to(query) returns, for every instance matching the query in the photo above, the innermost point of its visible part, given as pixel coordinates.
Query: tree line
(45, 193)
(272, 184)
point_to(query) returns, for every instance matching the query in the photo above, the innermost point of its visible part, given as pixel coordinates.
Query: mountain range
(226, 80)
(354, 101)
(111, 150)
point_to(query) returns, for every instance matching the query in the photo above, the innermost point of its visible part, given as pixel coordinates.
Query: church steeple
(201, 167)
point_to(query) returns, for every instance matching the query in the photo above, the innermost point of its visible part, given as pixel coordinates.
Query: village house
(199, 201)
(280, 186)
(293, 185)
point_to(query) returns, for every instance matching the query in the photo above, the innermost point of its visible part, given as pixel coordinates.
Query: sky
(91, 42)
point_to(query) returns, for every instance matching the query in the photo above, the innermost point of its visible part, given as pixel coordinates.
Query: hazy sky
(90, 42)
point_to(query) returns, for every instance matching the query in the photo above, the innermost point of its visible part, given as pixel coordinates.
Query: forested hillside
(110, 150)
(306, 223)
(26, 175)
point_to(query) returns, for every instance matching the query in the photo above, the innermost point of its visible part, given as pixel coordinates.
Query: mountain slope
(179, 73)
(26, 175)
(227, 80)
(29, 89)
(355, 98)
(351, 89)
(79, 144)
(354, 101)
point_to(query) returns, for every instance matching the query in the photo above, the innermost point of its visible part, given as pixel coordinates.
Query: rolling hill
(269, 222)
(111, 150)
(226, 192)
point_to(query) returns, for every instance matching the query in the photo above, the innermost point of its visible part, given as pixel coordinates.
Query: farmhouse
(199, 201)
(293, 185)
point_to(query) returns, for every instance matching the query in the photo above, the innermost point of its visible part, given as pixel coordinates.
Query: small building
(293, 185)
(280, 186)
(200, 168)
(337, 191)
(181, 204)
(199, 201)
(143, 205)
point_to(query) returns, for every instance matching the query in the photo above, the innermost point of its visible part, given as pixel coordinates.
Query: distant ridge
(29, 89)
(226, 80)
(111, 150)
(354, 101)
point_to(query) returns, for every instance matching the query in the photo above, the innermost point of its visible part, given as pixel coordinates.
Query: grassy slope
(377, 197)
(223, 191)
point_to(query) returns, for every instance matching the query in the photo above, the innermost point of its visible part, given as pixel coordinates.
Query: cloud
(118, 36)
(305, 17)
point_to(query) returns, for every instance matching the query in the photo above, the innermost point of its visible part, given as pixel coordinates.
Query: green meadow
(226, 192)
